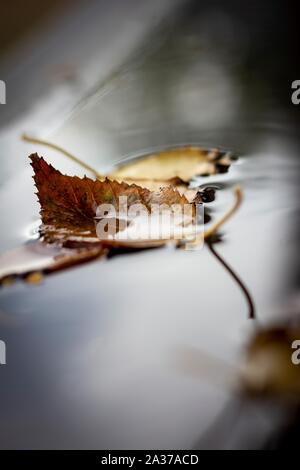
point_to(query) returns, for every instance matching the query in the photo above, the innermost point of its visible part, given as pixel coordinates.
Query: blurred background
(94, 363)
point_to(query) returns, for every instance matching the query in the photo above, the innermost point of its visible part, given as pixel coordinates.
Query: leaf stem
(208, 237)
(237, 279)
(57, 148)
(209, 233)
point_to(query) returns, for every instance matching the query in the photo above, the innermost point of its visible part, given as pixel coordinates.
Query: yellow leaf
(177, 166)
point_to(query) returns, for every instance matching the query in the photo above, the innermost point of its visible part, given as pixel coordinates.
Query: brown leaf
(69, 204)
(69, 214)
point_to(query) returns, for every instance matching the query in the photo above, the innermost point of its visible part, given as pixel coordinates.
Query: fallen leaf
(176, 166)
(69, 213)
(69, 207)
(32, 260)
(173, 167)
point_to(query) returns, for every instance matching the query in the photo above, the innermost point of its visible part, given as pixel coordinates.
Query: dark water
(97, 351)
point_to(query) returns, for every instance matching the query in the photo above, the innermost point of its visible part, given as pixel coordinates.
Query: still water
(128, 352)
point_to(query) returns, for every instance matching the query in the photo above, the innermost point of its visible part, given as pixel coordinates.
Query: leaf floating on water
(177, 166)
(69, 206)
(30, 262)
(69, 211)
(173, 167)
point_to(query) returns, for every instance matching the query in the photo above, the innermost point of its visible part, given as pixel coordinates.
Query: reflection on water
(105, 336)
